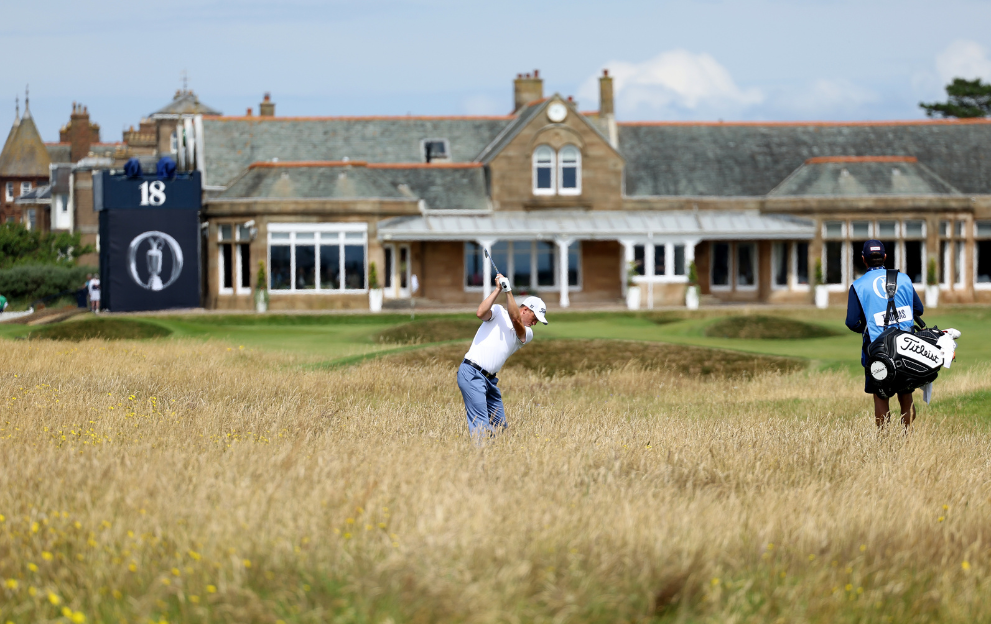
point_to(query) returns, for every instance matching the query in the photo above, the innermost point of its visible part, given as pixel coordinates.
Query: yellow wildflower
(12, 583)
(211, 589)
(47, 556)
(52, 598)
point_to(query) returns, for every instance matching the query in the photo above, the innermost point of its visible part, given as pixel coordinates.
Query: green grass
(766, 328)
(105, 328)
(429, 330)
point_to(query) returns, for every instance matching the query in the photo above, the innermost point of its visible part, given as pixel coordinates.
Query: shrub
(931, 273)
(37, 281)
(18, 246)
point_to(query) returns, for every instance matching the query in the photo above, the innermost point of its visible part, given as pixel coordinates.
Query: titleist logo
(918, 350)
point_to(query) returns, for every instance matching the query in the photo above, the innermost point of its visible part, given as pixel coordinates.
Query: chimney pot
(605, 72)
(248, 114)
(536, 73)
(571, 99)
(268, 96)
(267, 106)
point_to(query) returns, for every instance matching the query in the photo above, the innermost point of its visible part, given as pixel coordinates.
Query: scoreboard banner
(149, 242)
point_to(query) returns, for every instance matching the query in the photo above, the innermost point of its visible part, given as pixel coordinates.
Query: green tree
(19, 246)
(965, 99)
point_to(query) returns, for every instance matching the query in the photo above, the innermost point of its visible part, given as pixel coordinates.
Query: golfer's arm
(515, 316)
(484, 311)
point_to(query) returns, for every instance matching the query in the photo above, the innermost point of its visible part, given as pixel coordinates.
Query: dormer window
(435, 150)
(543, 171)
(25, 188)
(9, 191)
(570, 160)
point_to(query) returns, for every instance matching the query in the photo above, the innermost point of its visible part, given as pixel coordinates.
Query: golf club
(489, 258)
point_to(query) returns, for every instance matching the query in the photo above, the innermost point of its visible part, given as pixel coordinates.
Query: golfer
(865, 311)
(504, 330)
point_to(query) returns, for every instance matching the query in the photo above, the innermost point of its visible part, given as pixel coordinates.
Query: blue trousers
(483, 401)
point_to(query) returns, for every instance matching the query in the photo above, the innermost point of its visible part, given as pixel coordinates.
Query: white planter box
(375, 299)
(633, 297)
(692, 298)
(932, 296)
(822, 297)
(261, 301)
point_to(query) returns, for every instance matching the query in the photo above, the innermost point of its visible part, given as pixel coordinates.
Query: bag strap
(890, 287)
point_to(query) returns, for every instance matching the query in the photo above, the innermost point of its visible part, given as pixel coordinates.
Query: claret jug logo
(156, 253)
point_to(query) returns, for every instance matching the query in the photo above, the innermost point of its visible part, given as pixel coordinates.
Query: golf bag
(901, 361)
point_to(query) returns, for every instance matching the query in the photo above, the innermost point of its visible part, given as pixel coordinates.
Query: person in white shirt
(93, 287)
(504, 330)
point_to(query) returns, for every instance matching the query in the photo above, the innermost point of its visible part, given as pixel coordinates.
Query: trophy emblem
(154, 256)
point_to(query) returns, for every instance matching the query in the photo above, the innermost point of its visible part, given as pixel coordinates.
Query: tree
(19, 246)
(966, 99)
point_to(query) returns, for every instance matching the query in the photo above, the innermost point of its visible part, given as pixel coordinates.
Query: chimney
(267, 107)
(605, 94)
(526, 89)
(79, 133)
(248, 114)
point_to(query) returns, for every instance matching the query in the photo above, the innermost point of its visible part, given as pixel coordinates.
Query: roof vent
(844, 173)
(896, 172)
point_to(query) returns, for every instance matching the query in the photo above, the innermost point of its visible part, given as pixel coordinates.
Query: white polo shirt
(94, 289)
(495, 341)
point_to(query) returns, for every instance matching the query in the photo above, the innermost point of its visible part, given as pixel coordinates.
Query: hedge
(33, 282)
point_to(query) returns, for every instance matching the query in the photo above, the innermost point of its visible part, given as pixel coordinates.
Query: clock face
(557, 111)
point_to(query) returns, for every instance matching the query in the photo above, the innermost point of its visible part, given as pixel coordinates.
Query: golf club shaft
(491, 261)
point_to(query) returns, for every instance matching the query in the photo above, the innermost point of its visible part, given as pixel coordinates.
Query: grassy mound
(108, 329)
(567, 357)
(766, 328)
(430, 330)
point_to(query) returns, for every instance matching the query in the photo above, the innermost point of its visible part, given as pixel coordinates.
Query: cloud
(673, 82)
(963, 59)
(823, 98)
(482, 104)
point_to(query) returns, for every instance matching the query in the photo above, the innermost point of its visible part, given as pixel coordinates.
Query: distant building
(24, 166)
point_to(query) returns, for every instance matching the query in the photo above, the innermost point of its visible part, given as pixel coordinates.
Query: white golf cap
(539, 308)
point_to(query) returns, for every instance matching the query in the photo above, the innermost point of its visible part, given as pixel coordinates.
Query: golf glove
(504, 283)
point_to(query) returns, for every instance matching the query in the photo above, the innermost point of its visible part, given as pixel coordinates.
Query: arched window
(543, 171)
(570, 173)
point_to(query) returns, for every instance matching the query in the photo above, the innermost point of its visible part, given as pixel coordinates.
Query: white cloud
(823, 98)
(963, 59)
(672, 81)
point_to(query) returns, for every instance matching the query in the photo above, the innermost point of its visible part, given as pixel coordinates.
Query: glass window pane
(474, 271)
(306, 267)
(280, 269)
(500, 255)
(245, 252)
(679, 260)
(243, 233)
(861, 229)
(330, 267)
(745, 253)
(279, 236)
(354, 267)
(357, 237)
(891, 250)
(944, 262)
(780, 258)
(574, 260)
(569, 177)
(305, 236)
(521, 265)
(546, 256)
(227, 264)
(834, 263)
(982, 228)
(544, 154)
(834, 229)
(856, 257)
(569, 154)
(659, 259)
(887, 229)
(403, 266)
(958, 262)
(639, 260)
(958, 229)
(544, 177)
(387, 278)
(983, 261)
(914, 229)
(720, 264)
(944, 228)
(913, 260)
(802, 263)
(330, 236)
(226, 231)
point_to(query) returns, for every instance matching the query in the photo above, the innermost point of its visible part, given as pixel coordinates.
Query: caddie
(3, 304)
(503, 331)
(865, 312)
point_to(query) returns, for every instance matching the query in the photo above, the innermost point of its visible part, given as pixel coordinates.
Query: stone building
(566, 201)
(24, 166)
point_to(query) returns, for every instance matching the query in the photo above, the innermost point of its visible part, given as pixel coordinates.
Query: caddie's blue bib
(874, 301)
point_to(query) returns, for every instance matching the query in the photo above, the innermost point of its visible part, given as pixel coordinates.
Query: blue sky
(713, 59)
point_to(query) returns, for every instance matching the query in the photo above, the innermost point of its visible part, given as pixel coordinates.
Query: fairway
(317, 468)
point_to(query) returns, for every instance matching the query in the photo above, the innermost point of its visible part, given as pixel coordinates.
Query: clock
(556, 112)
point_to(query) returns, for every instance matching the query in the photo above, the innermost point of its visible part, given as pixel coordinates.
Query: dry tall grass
(180, 481)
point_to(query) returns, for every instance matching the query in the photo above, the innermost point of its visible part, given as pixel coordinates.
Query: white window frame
(237, 272)
(552, 189)
(730, 270)
(9, 191)
(510, 267)
(649, 258)
(754, 262)
(342, 229)
(845, 270)
(871, 230)
(26, 188)
(447, 150)
(959, 261)
(776, 247)
(843, 230)
(396, 291)
(578, 171)
(30, 219)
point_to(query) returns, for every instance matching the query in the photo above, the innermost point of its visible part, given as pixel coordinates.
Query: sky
(672, 60)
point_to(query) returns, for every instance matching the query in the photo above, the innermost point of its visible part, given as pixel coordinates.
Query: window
(474, 269)
(570, 173)
(833, 271)
(574, 264)
(30, 219)
(531, 265)
(25, 188)
(832, 229)
(860, 229)
(659, 259)
(388, 266)
(543, 171)
(746, 264)
(959, 229)
(780, 262)
(944, 261)
(435, 149)
(982, 252)
(801, 263)
(915, 251)
(174, 143)
(679, 260)
(640, 259)
(234, 258)
(546, 262)
(318, 257)
(944, 229)
(958, 263)
(522, 264)
(9, 191)
(887, 229)
(720, 265)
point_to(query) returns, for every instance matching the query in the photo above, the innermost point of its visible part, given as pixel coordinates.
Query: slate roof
(751, 159)
(59, 152)
(24, 153)
(608, 225)
(864, 175)
(233, 143)
(185, 103)
(441, 186)
(37, 195)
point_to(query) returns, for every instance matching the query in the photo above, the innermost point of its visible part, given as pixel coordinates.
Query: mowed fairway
(244, 475)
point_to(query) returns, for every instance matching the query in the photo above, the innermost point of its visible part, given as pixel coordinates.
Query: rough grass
(107, 329)
(757, 327)
(568, 357)
(430, 330)
(185, 481)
